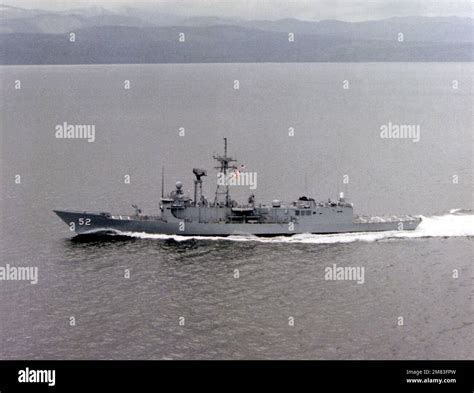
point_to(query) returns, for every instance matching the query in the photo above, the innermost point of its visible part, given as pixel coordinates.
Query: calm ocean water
(337, 133)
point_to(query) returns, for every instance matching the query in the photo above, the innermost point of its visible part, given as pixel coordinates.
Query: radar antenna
(198, 182)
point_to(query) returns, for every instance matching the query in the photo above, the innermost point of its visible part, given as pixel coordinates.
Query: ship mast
(162, 181)
(223, 172)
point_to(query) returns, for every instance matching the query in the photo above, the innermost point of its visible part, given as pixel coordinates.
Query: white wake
(457, 223)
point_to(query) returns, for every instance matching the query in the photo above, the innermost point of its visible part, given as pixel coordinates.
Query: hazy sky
(350, 10)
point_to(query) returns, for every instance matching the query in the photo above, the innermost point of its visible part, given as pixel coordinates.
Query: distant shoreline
(243, 63)
(29, 38)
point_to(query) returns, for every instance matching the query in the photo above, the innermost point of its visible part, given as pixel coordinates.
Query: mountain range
(131, 35)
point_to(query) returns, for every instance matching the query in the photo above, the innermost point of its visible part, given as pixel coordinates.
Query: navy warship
(182, 215)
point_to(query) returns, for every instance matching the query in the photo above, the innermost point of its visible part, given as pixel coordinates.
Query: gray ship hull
(86, 223)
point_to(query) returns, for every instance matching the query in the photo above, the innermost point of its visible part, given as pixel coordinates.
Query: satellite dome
(179, 185)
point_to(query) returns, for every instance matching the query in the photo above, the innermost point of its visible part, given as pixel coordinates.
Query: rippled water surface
(407, 274)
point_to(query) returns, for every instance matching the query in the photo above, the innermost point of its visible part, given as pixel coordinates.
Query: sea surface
(167, 297)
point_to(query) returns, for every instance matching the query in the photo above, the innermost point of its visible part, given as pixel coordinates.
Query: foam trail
(458, 223)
